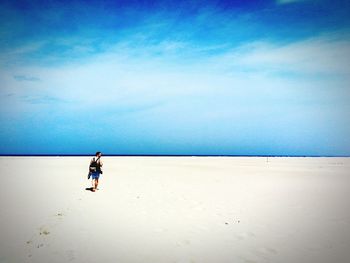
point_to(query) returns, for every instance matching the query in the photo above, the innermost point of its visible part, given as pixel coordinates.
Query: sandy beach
(175, 209)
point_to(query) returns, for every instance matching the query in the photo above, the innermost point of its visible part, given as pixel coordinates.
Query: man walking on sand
(95, 170)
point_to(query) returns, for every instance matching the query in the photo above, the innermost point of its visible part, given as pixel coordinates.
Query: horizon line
(164, 155)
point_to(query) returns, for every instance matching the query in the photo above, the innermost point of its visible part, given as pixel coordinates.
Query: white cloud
(322, 55)
(169, 97)
(247, 76)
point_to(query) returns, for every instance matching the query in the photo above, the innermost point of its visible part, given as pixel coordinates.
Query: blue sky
(191, 77)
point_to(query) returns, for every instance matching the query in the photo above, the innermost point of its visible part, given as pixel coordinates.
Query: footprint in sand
(245, 235)
(264, 253)
(70, 254)
(182, 243)
(39, 239)
(44, 231)
(267, 251)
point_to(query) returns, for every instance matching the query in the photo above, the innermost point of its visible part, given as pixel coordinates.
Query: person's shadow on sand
(89, 189)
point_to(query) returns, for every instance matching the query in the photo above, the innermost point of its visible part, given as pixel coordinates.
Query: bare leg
(93, 185)
(96, 184)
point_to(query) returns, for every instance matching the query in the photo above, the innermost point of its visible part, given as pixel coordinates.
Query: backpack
(94, 166)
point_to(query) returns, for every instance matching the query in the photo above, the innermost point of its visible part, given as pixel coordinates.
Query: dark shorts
(95, 175)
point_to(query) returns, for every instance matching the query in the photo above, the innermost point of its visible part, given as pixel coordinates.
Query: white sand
(165, 209)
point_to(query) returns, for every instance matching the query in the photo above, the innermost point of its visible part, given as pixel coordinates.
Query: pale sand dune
(165, 209)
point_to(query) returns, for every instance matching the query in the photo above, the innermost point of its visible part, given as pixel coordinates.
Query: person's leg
(93, 181)
(96, 184)
(93, 185)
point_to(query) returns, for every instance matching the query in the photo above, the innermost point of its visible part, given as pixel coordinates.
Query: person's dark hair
(97, 153)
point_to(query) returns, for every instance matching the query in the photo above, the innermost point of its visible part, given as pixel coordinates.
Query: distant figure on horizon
(95, 170)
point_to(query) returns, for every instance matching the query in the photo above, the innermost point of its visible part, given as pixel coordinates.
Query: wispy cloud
(44, 99)
(134, 76)
(26, 78)
(166, 80)
(290, 1)
(318, 55)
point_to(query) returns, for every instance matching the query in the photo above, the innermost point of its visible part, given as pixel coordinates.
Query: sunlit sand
(175, 209)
